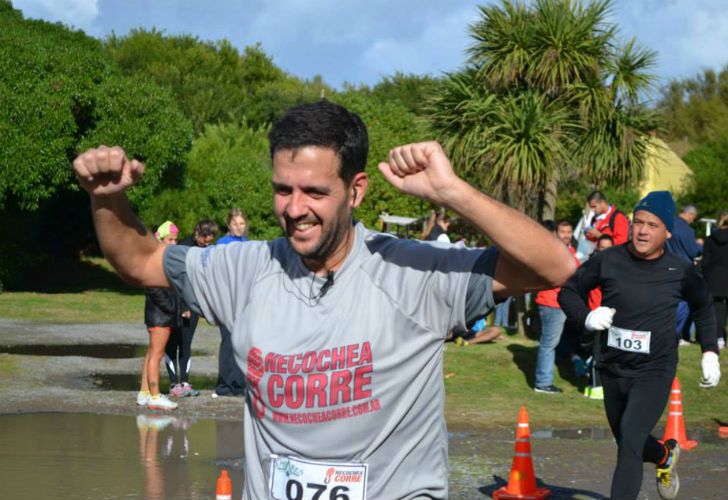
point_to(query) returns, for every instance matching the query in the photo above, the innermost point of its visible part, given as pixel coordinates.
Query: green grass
(82, 307)
(492, 381)
(74, 292)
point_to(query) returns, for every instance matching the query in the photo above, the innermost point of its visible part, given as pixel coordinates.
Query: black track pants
(178, 353)
(634, 405)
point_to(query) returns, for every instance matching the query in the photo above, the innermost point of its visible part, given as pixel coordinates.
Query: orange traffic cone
(224, 487)
(522, 481)
(723, 431)
(675, 428)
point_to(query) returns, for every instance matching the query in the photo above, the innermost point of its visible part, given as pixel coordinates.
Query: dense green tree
(270, 100)
(412, 91)
(695, 110)
(212, 82)
(228, 167)
(389, 124)
(61, 93)
(547, 95)
(47, 92)
(709, 183)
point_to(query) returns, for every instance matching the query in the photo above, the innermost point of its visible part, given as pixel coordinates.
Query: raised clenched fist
(104, 170)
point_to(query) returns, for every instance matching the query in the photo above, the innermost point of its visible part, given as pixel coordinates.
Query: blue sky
(360, 41)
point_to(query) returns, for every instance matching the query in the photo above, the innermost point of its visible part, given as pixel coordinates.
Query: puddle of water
(160, 456)
(130, 382)
(104, 351)
(84, 456)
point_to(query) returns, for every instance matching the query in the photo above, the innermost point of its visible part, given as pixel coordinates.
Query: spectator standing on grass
(682, 242)
(178, 356)
(162, 316)
(230, 378)
(552, 320)
(715, 270)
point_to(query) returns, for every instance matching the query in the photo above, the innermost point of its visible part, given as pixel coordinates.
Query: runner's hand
(104, 170)
(423, 170)
(600, 319)
(711, 369)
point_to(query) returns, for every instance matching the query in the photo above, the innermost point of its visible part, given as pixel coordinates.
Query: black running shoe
(548, 389)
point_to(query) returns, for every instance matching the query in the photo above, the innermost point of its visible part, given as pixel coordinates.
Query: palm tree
(547, 92)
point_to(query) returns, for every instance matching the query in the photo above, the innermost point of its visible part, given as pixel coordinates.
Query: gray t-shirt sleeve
(176, 271)
(214, 281)
(479, 300)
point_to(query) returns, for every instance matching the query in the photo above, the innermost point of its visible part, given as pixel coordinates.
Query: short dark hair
(206, 227)
(549, 224)
(564, 222)
(327, 125)
(596, 196)
(605, 237)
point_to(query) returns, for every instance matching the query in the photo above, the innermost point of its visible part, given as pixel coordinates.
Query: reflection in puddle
(130, 382)
(84, 456)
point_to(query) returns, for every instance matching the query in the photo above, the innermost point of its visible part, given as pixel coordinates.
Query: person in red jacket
(607, 220)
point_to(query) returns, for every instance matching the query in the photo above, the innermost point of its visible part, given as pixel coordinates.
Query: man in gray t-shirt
(339, 330)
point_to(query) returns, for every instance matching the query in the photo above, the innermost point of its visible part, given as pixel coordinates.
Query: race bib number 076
(293, 478)
(629, 340)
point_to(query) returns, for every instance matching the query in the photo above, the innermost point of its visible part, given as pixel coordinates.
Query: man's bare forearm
(128, 246)
(520, 239)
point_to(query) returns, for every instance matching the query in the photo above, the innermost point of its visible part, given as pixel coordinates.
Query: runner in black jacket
(637, 358)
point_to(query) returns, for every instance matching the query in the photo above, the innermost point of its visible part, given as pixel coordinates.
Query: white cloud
(77, 13)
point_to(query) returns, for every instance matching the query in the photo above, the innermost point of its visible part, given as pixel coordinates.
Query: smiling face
(648, 235)
(314, 206)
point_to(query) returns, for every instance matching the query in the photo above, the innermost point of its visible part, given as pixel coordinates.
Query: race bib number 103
(293, 478)
(629, 340)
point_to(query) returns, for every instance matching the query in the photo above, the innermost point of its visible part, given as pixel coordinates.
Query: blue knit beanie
(661, 204)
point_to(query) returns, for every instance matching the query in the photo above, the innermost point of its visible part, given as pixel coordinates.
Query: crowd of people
(171, 325)
(338, 329)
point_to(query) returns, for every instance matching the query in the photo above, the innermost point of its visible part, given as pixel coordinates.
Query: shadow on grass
(525, 359)
(72, 276)
(556, 491)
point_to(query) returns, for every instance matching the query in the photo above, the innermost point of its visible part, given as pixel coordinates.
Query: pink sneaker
(187, 390)
(177, 391)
